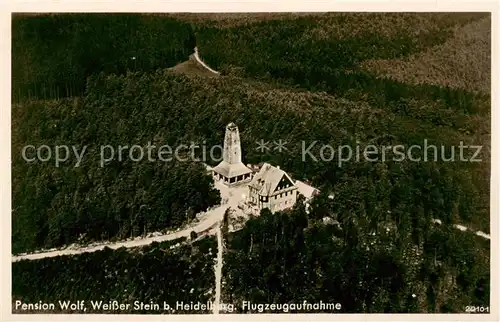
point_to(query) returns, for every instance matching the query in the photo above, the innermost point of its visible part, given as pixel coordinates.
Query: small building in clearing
(272, 188)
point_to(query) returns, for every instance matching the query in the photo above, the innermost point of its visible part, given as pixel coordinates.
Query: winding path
(463, 228)
(198, 59)
(208, 221)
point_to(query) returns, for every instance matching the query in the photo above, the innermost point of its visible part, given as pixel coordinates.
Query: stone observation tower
(231, 171)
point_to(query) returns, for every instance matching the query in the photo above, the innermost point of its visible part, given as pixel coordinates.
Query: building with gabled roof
(272, 188)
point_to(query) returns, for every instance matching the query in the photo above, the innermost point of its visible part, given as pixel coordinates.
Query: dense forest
(294, 257)
(152, 273)
(297, 79)
(184, 109)
(54, 206)
(323, 54)
(52, 55)
(313, 51)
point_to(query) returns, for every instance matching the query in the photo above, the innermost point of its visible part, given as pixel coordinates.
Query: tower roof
(231, 170)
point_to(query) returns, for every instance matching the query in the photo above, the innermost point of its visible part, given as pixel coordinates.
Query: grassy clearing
(192, 68)
(463, 61)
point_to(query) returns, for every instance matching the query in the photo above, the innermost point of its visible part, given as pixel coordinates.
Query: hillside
(323, 84)
(447, 65)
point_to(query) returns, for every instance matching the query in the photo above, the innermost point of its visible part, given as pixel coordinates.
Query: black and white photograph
(250, 163)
